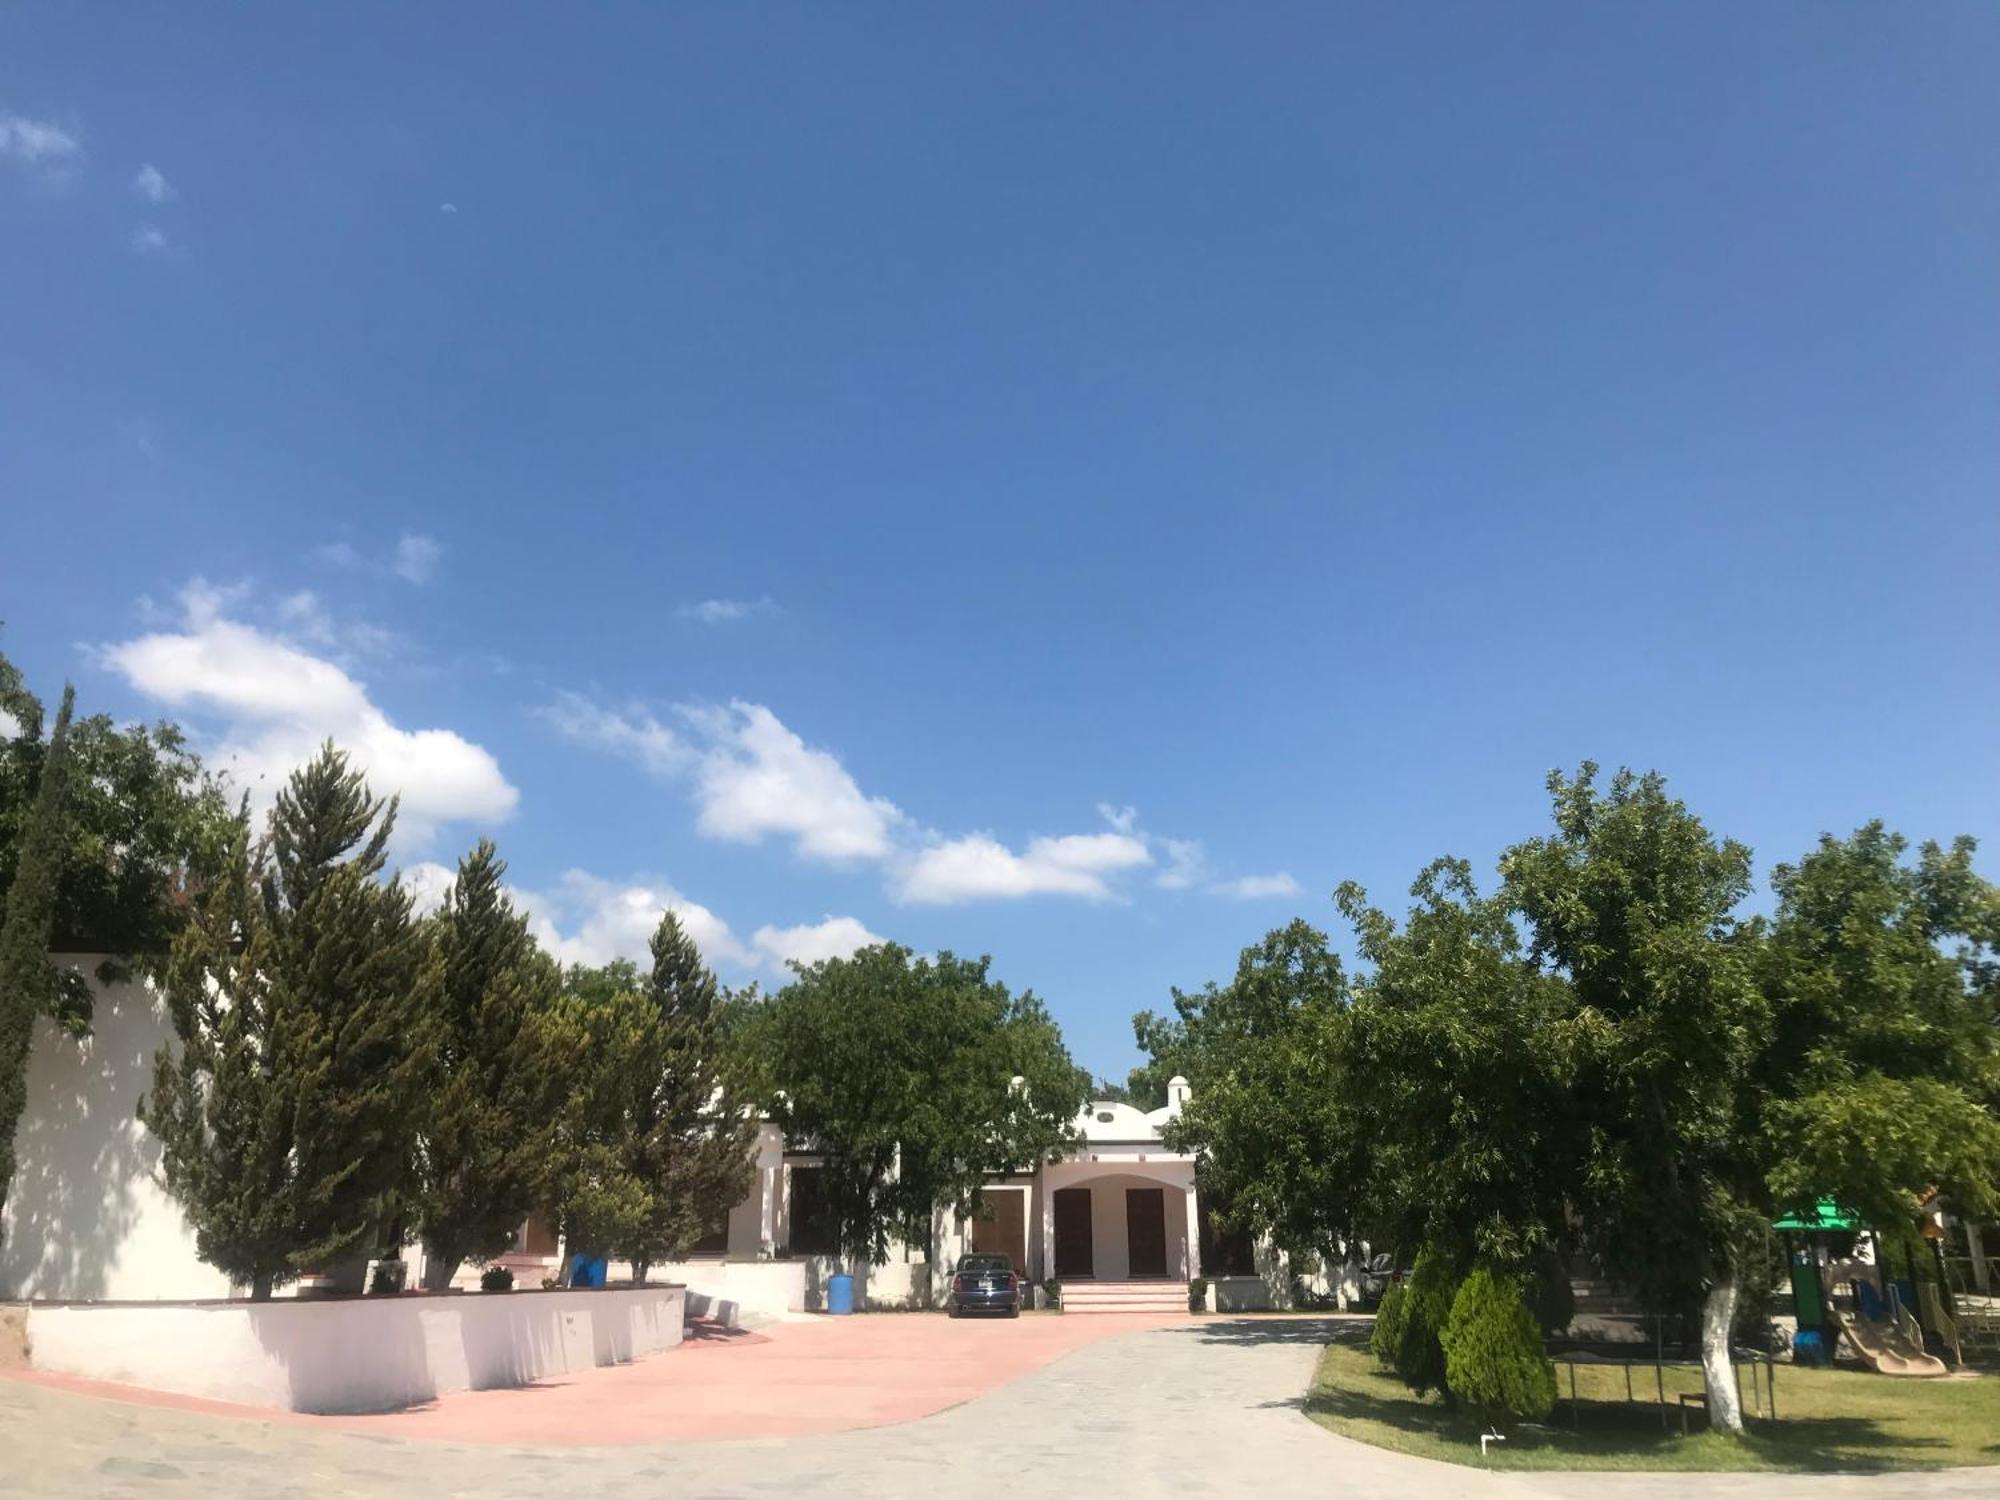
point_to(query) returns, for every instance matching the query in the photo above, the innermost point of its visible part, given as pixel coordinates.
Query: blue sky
(1153, 462)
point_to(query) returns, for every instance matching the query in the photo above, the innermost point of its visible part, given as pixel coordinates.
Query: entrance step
(1150, 1297)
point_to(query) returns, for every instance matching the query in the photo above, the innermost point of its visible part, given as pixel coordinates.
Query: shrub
(497, 1279)
(1426, 1304)
(1493, 1350)
(1388, 1327)
(1198, 1294)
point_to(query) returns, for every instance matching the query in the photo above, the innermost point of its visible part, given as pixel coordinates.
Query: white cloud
(1186, 862)
(149, 239)
(151, 184)
(756, 777)
(751, 776)
(416, 558)
(427, 881)
(277, 702)
(589, 920)
(635, 735)
(37, 143)
(979, 867)
(726, 611)
(10, 727)
(811, 942)
(1258, 887)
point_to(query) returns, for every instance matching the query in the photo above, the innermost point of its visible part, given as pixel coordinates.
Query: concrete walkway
(1203, 1407)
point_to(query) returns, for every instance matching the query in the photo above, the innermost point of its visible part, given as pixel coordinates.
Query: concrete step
(1124, 1296)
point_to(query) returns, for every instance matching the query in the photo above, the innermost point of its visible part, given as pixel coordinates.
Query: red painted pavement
(824, 1375)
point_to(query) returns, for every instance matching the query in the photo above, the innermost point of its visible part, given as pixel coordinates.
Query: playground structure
(1886, 1326)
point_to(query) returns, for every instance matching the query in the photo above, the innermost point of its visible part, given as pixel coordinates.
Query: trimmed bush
(1493, 1350)
(496, 1279)
(1426, 1305)
(1388, 1328)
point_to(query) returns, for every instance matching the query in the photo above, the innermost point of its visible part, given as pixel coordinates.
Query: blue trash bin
(840, 1295)
(1809, 1347)
(587, 1271)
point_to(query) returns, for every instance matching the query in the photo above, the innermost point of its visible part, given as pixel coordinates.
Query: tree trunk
(639, 1270)
(439, 1268)
(260, 1287)
(1718, 1316)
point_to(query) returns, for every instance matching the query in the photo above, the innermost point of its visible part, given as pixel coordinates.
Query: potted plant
(496, 1279)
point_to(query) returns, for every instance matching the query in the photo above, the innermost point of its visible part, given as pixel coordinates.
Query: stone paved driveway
(1203, 1408)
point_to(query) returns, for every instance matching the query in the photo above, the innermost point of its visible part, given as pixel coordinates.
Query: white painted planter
(367, 1354)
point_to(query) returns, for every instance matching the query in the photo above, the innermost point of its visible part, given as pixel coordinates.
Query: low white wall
(1227, 1294)
(726, 1289)
(899, 1284)
(365, 1354)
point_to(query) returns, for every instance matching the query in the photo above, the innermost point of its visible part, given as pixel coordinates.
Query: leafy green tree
(498, 1085)
(28, 983)
(1493, 1359)
(690, 1136)
(303, 998)
(603, 1029)
(1458, 1061)
(1631, 899)
(915, 1079)
(1884, 1073)
(1271, 1115)
(143, 827)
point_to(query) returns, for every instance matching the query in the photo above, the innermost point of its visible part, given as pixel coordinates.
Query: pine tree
(28, 981)
(1493, 1356)
(302, 997)
(690, 1142)
(498, 1087)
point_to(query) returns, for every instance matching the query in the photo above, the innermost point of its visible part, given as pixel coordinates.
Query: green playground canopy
(1824, 1216)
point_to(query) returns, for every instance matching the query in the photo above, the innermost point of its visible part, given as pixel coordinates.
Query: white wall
(365, 1354)
(727, 1289)
(84, 1218)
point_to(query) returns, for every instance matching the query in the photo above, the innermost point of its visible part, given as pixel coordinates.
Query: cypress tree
(302, 997)
(28, 981)
(690, 1143)
(1493, 1356)
(1387, 1335)
(497, 1089)
(1426, 1305)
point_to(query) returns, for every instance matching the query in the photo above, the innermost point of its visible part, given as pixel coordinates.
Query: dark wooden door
(1146, 1231)
(1073, 1248)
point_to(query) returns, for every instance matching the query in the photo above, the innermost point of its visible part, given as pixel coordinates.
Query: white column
(1193, 1233)
(1981, 1277)
(1047, 1267)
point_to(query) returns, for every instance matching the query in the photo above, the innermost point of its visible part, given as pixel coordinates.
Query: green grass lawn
(1827, 1420)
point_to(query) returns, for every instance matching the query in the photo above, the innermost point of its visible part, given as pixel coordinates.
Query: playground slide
(1886, 1348)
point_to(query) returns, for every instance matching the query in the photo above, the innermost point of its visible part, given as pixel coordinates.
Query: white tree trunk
(1718, 1316)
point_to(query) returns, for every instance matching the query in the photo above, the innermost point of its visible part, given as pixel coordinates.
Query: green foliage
(1460, 1060)
(142, 826)
(1493, 1351)
(28, 983)
(497, 1085)
(1884, 1072)
(690, 1137)
(303, 1000)
(1387, 1335)
(1427, 1299)
(1272, 1113)
(915, 1079)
